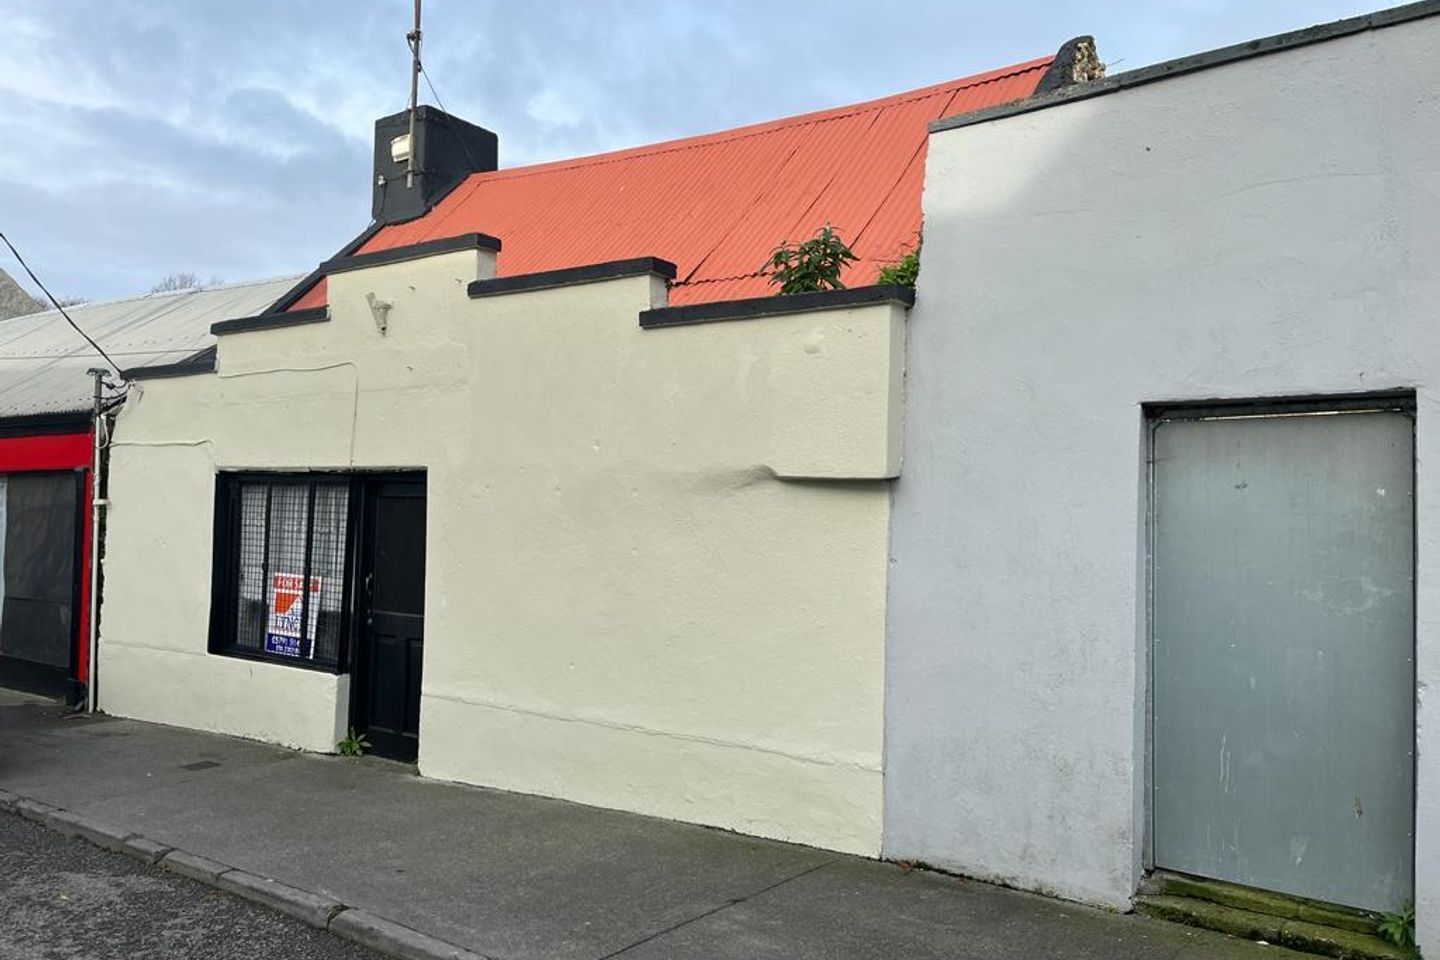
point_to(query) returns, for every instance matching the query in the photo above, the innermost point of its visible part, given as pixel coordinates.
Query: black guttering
(414, 251)
(776, 306)
(590, 273)
(271, 321)
(202, 362)
(1197, 62)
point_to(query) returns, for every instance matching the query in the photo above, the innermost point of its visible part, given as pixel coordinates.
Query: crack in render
(713, 910)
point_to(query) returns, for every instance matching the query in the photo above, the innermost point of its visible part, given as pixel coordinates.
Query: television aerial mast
(413, 38)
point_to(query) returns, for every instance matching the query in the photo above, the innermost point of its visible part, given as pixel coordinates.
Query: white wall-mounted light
(379, 311)
(400, 148)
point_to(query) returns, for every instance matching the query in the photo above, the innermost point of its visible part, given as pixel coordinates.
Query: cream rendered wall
(325, 396)
(1264, 228)
(625, 604)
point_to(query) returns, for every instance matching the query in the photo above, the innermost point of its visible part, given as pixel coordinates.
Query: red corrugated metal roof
(717, 204)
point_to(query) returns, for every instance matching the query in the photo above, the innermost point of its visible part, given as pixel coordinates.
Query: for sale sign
(287, 601)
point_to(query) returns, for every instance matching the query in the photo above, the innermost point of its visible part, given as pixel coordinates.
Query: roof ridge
(750, 130)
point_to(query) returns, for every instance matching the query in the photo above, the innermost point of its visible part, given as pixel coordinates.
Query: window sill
(296, 662)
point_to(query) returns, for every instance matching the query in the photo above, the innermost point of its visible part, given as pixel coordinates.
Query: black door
(39, 580)
(385, 703)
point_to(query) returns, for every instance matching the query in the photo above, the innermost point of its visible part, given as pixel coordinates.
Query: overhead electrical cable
(51, 297)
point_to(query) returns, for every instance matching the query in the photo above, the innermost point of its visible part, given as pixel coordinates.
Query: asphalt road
(63, 899)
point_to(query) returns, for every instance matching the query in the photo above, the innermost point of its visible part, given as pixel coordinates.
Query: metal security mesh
(289, 543)
(331, 511)
(250, 608)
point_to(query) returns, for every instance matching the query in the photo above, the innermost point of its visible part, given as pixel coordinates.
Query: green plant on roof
(903, 272)
(810, 265)
(1399, 928)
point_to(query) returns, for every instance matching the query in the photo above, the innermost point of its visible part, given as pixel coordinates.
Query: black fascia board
(1195, 62)
(413, 251)
(38, 424)
(569, 276)
(777, 305)
(271, 321)
(202, 362)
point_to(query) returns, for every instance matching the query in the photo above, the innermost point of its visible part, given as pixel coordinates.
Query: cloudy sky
(231, 138)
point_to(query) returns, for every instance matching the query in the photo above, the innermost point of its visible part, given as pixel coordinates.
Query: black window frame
(225, 580)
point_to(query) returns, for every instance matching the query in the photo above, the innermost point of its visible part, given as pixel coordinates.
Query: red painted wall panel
(54, 451)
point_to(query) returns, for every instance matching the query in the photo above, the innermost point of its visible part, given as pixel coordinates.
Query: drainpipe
(96, 504)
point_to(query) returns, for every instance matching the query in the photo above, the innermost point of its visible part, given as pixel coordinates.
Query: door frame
(1157, 413)
(363, 485)
(40, 678)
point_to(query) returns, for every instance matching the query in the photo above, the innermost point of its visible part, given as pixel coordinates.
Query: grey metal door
(39, 583)
(1283, 630)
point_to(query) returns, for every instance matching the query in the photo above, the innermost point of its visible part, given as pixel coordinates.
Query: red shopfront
(44, 553)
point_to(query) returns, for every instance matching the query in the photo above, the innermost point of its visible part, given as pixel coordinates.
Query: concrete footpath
(381, 856)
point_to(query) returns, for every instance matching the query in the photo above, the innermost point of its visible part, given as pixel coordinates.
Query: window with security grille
(281, 543)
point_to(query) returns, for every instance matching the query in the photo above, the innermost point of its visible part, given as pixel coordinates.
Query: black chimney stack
(446, 150)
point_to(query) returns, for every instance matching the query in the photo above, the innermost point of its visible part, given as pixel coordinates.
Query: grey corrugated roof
(43, 361)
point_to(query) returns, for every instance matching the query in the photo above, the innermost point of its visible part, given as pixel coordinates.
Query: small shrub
(810, 265)
(1399, 928)
(354, 745)
(903, 272)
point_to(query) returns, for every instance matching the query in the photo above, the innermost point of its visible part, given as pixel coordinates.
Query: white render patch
(1266, 228)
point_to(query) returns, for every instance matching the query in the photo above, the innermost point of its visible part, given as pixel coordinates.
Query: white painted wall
(626, 604)
(1269, 227)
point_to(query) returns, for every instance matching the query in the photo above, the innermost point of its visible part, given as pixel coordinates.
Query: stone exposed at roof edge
(1193, 63)
(1069, 60)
